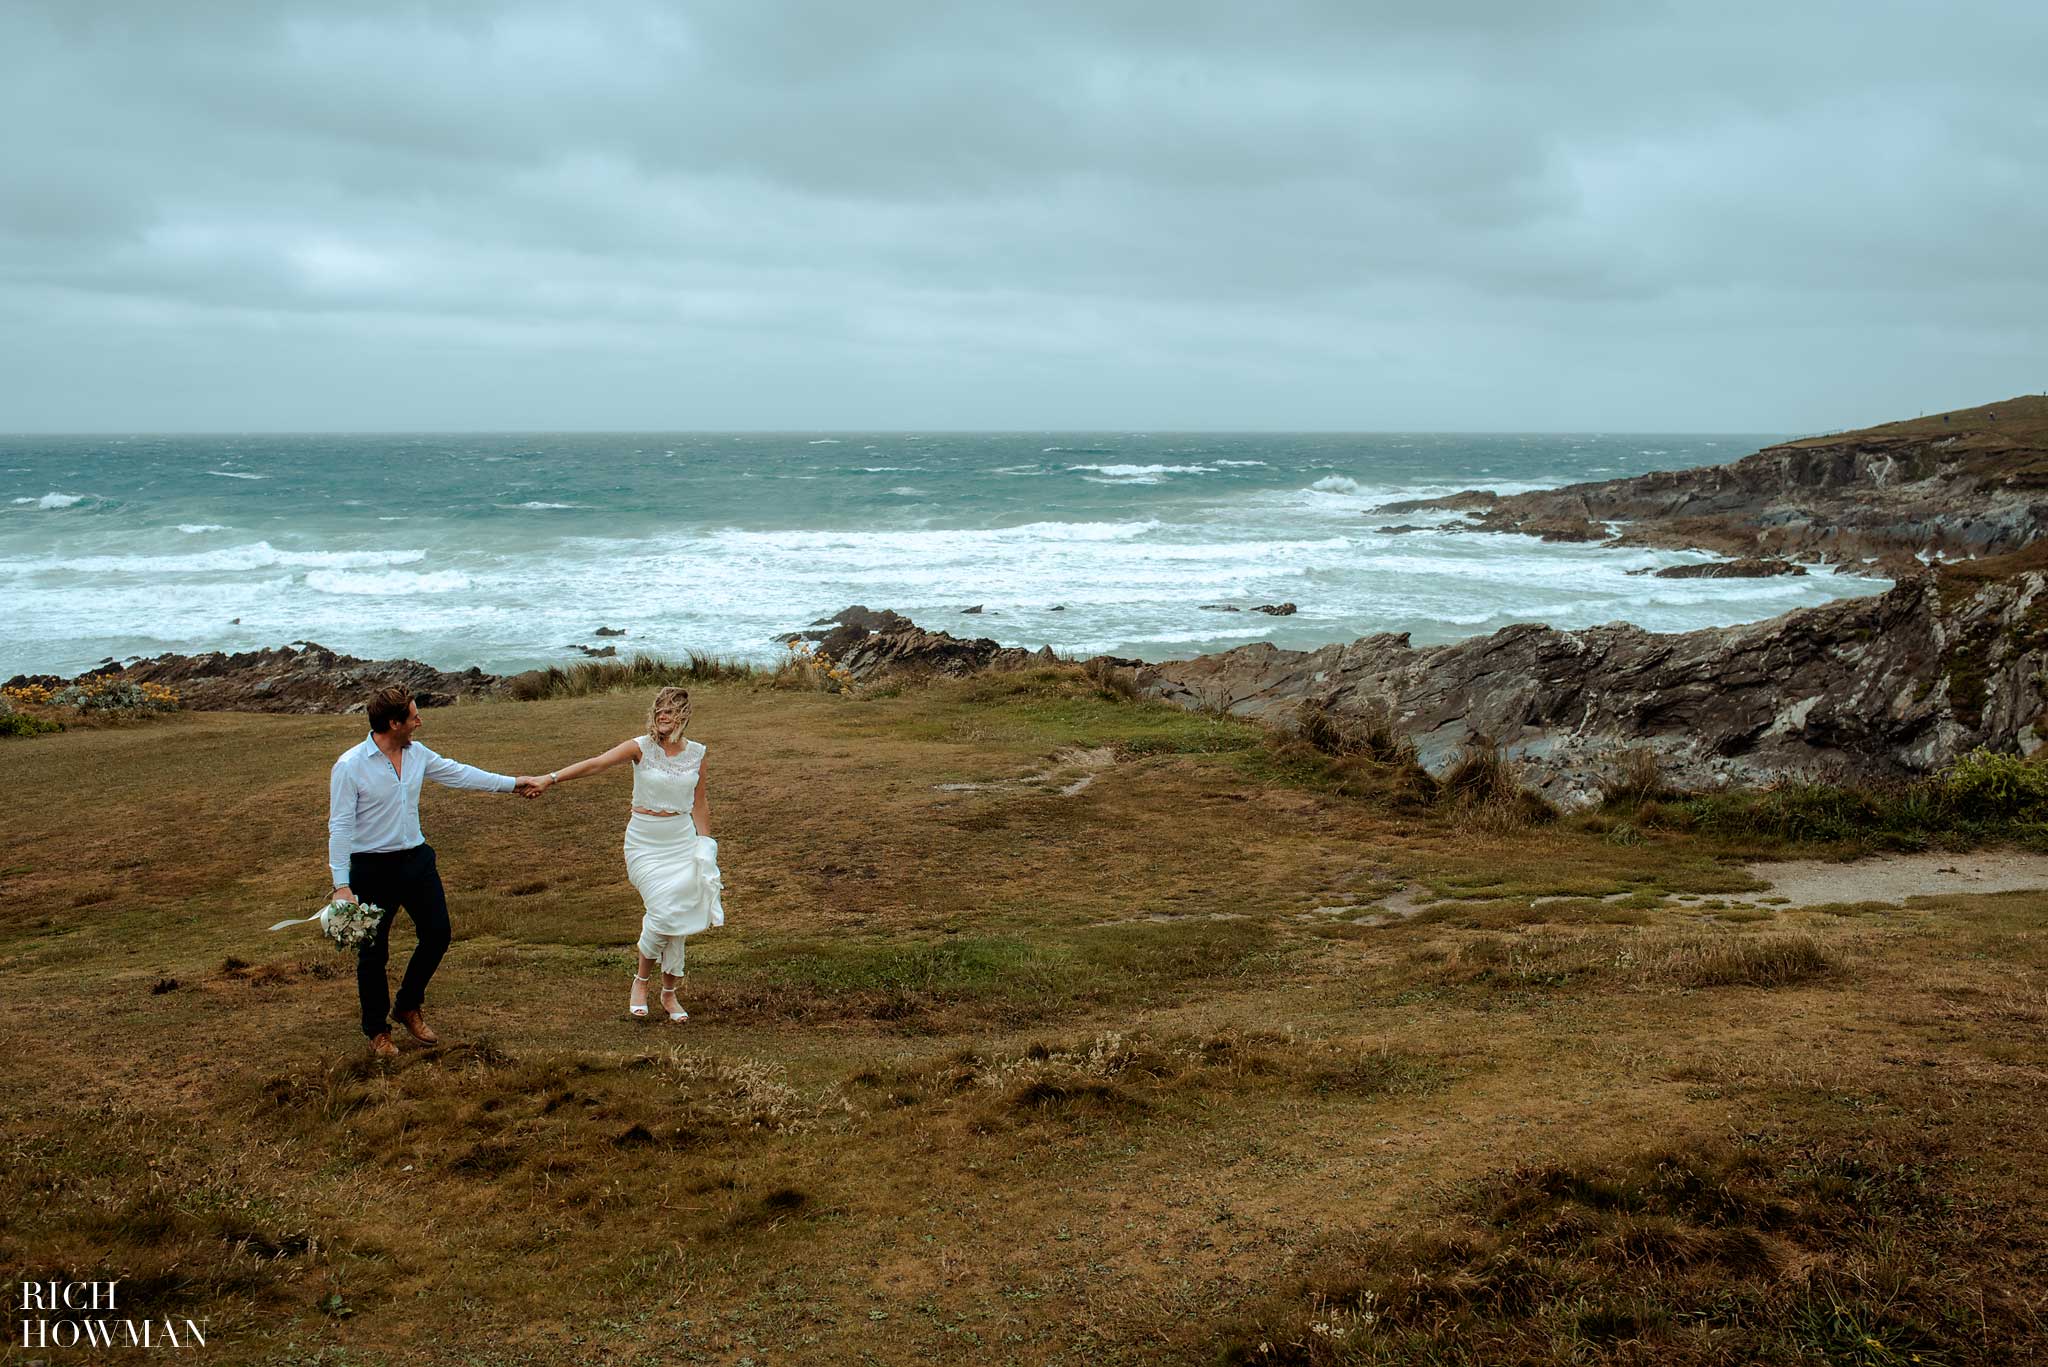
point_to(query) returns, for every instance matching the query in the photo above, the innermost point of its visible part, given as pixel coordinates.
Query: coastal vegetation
(39, 710)
(1049, 1025)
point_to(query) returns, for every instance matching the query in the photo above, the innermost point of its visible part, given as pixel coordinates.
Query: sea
(509, 551)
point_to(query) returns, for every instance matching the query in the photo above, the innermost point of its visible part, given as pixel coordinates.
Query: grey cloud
(1739, 217)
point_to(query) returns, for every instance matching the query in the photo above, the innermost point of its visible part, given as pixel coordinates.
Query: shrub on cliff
(1987, 786)
(1981, 796)
(805, 669)
(115, 695)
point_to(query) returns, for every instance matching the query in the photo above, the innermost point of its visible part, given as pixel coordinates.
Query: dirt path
(1894, 878)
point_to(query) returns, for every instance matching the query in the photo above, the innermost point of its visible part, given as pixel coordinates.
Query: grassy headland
(1046, 1026)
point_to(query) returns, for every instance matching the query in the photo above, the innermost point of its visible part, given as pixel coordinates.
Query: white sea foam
(1138, 472)
(825, 441)
(228, 559)
(1338, 484)
(920, 543)
(234, 474)
(388, 583)
(195, 528)
(537, 506)
(52, 501)
(1239, 462)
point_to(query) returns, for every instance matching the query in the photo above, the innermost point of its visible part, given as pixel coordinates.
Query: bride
(670, 857)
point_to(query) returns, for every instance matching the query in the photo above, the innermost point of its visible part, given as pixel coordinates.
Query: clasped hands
(530, 786)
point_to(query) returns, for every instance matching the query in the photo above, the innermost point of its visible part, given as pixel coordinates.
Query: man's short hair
(388, 706)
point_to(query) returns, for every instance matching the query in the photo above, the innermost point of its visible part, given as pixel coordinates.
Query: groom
(376, 853)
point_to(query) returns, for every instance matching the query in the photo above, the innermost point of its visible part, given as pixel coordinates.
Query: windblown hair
(388, 705)
(679, 698)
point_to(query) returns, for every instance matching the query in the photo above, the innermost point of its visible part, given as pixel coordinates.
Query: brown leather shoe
(382, 1047)
(417, 1028)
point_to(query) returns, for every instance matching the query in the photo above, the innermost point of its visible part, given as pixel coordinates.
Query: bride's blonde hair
(671, 696)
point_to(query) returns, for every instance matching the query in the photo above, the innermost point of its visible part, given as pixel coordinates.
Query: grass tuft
(606, 676)
(1742, 961)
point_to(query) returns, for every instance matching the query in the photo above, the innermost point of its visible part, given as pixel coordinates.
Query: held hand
(528, 785)
(344, 894)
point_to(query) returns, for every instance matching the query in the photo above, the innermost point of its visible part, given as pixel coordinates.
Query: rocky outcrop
(830, 635)
(1962, 484)
(1866, 687)
(1748, 568)
(910, 650)
(305, 678)
(1862, 688)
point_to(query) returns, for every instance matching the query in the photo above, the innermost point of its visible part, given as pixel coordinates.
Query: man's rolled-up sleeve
(451, 774)
(341, 821)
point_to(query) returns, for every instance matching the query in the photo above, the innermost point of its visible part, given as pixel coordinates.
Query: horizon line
(914, 432)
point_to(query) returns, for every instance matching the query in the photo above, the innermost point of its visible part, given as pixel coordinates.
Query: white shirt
(372, 808)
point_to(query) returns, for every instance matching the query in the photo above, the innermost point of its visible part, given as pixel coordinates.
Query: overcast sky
(1557, 216)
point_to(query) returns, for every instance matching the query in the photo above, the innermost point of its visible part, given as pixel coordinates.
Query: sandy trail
(1895, 877)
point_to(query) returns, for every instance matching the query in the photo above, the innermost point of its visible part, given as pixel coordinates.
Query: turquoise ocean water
(503, 550)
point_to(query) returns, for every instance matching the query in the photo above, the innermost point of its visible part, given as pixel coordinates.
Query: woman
(670, 856)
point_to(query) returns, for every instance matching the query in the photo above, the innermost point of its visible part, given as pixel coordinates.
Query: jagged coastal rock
(303, 677)
(1968, 483)
(1863, 687)
(869, 644)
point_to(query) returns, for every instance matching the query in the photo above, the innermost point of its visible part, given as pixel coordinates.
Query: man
(376, 854)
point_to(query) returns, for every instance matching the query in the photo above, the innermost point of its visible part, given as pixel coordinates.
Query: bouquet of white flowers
(348, 924)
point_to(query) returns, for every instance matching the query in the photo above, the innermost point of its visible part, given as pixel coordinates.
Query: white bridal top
(662, 783)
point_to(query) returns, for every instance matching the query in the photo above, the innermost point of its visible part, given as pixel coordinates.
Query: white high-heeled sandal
(640, 1011)
(676, 1013)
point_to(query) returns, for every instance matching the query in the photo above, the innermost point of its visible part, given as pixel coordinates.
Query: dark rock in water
(1564, 529)
(1403, 528)
(1748, 568)
(1221, 607)
(1472, 500)
(848, 626)
(234, 621)
(1057, 607)
(288, 679)
(597, 652)
(609, 631)
(969, 612)
(1276, 609)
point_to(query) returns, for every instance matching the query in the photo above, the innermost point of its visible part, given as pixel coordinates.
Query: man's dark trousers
(398, 879)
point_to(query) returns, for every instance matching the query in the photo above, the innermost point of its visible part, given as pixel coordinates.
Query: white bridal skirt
(676, 872)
